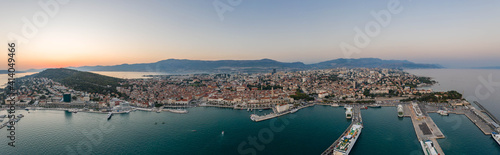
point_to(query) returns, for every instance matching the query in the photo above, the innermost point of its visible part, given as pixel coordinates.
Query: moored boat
(348, 112)
(400, 111)
(347, 142)
(109, 115)
(496, 137)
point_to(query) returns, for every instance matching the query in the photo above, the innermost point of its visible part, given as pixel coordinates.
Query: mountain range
(263, 65)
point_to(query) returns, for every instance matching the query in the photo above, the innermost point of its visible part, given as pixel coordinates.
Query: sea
(209, 130)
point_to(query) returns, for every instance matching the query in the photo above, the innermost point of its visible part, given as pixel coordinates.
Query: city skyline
(455, 34)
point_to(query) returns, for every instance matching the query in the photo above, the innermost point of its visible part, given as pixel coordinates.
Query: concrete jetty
(425, 128)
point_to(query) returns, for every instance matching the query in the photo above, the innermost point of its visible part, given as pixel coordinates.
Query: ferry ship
(496, 137)
(348, 112)
(345, 145)
(428, 148)
(400, 111)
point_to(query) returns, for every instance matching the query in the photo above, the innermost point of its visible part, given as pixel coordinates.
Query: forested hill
(81, 81)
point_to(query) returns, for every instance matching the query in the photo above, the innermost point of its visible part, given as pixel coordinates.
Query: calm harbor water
(309, 131)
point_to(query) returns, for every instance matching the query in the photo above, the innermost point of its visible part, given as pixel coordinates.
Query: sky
(453, 33)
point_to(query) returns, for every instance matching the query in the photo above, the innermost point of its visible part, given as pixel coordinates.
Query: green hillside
(81, 81)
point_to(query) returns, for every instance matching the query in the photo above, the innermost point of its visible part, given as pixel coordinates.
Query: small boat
(156, 123)
(443, 112)
(260, 110)
(27, 109)
(163, 123)
(222, 132)
(294, 110)
(3, 116)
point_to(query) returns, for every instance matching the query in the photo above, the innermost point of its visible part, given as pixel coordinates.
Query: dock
(355, 119)
(424, 126)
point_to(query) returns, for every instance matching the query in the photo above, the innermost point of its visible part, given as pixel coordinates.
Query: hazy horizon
(454, 34)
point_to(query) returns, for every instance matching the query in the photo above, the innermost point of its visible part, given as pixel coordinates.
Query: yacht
(375, 106)
(496, 137)
(443, 112)
(109, 115)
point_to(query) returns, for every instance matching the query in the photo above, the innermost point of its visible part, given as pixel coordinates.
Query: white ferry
(348, 112)
(345, 145)
(428, 147)
(400, 111)
(496, 137)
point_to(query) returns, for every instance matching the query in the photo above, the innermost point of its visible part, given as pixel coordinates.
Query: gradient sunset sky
(454, 33)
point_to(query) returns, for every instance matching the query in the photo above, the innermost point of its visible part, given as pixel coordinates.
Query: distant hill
(81, 81)
(372, 63)
(488, 67)
(263, 65)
